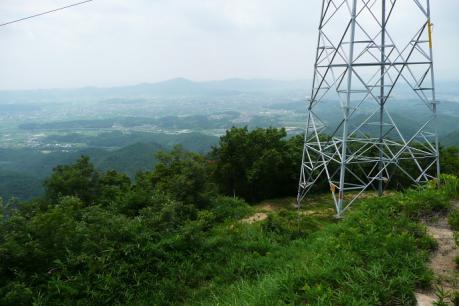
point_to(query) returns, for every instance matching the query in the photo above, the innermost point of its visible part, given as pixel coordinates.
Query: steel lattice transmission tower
(369, 54)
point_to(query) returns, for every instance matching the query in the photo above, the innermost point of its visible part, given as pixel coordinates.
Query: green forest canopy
(173, 236)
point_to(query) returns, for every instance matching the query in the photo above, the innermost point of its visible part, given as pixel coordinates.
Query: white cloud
(115, 42)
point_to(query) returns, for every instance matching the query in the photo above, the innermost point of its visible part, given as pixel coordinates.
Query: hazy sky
(121, 42)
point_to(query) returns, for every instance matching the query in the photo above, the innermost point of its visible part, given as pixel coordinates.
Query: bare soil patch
(425, 300)
(257, 217)
(442, 262)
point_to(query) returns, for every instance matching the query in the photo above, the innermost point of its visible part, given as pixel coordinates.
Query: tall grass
(376, 256)
(67, 255)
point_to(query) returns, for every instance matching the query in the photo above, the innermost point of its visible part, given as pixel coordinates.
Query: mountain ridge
(171, 87)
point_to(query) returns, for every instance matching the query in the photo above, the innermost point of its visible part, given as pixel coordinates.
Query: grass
(376, 256)
(456, 298)
(453, 220)
(245, 252)
(321, 204)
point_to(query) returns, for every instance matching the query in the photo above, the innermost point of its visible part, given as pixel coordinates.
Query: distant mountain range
(184, 87)
(174, 87)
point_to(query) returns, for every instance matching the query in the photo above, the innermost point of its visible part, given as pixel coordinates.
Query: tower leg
(359, 61)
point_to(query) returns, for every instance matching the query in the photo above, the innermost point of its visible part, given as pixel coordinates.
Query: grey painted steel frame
(318, 154)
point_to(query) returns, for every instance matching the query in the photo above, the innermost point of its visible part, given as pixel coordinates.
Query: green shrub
(453, 220)
(257, 164)
(226, 208)
(156, 243)
(287, 225)
(450, 185)
(16, 293)
(456, 299)
(425, 203)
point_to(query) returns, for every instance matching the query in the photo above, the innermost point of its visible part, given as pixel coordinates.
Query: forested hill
(23, 169)
(204, 230)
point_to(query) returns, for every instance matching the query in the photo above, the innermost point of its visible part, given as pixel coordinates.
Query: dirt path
(264, 210)
(442, 262)
(257, 217)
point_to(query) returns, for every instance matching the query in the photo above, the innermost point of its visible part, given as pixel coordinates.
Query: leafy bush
(425, 202)
(226, 208)
(79, 180)
(450, 185)
(119, 243)
(167, 239)
(449, 160)
(453, 220)
(184, 175)
(257, 164)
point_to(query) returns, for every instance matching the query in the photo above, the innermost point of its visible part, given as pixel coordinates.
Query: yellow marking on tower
(429, 25)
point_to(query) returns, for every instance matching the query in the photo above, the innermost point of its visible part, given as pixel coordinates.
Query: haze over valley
(122, 127)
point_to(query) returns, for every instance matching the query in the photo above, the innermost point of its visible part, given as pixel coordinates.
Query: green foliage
(450, 185)
(456, 299)
(425, 202)
(453, 220)
(443, 297)
(226, 208)
(23, 170)
(69, 253)
(264, 163)
(184, 175)
(376, 256)
(168, 238)
(449, 159)
(79, 179)
(288, 225)
(76, 254)
(18, 185)
(108, 245)
(257, 164)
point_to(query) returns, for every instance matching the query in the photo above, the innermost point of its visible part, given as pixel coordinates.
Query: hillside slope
(377, 255)
(174, 237)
